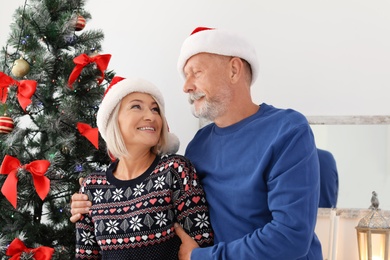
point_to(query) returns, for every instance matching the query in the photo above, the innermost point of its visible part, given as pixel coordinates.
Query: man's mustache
(195, 96)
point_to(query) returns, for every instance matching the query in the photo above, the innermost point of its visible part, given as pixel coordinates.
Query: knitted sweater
(134, 219)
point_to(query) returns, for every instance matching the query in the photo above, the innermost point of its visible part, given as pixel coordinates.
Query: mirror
(361, 148)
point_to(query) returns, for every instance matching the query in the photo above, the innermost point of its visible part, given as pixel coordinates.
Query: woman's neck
(131, 167)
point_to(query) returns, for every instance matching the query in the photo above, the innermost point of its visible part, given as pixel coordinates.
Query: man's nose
(188, 86)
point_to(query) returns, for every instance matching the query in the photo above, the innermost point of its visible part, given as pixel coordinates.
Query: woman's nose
(150, 115)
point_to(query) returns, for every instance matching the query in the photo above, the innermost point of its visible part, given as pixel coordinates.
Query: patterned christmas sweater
(134, 219)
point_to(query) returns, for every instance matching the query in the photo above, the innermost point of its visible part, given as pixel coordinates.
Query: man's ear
(236, 71)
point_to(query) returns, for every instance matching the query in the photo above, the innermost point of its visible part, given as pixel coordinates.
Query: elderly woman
(146, 189)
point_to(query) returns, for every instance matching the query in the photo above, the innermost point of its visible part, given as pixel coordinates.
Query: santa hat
(120, 88)
(217, 41)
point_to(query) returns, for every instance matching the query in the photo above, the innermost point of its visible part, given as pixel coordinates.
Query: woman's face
(139, 120)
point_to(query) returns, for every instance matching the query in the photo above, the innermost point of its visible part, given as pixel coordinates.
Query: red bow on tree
(83, 60)
(26, 88)
(37, 168)
(17, 248)
(92, 134)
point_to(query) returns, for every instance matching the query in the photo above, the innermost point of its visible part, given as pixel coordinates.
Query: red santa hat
(120, 88)
(217, 41)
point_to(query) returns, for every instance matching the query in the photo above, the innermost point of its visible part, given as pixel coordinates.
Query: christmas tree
(52, 79)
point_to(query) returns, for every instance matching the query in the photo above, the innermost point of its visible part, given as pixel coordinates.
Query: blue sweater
(329, 180)
(261, 179)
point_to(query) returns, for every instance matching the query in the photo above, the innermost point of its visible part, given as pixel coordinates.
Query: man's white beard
(208, 109)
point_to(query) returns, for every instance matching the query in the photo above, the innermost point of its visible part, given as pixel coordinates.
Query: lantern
(373, 233)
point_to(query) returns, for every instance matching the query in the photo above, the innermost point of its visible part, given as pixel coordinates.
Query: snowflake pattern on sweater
(134, 219)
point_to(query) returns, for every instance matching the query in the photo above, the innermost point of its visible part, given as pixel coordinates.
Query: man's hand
(187, 243)
(79, 204)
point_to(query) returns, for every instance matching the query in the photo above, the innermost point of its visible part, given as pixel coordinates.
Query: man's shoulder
(287, 113)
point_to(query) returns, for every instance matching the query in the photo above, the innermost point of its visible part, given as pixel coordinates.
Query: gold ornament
(65, 150)
(93, 53)
(20, 68)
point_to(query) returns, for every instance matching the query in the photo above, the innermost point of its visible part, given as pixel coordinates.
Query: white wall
(319, 57)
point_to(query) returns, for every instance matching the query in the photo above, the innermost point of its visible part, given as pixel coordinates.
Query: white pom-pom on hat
(173, 143)
(120, 88)
(217, 41)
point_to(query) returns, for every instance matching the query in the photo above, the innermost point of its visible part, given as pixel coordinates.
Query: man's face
(207, 77)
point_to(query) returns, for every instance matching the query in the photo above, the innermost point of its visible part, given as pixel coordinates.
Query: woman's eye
(156, 109)
(135, 107)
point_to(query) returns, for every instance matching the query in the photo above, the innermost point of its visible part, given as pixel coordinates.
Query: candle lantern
(373, 233)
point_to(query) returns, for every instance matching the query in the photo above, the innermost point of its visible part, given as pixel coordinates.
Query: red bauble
(80, 23)
(6, 125)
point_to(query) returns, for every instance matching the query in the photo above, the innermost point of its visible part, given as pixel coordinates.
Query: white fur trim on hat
(220, 42)
(117, 91)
